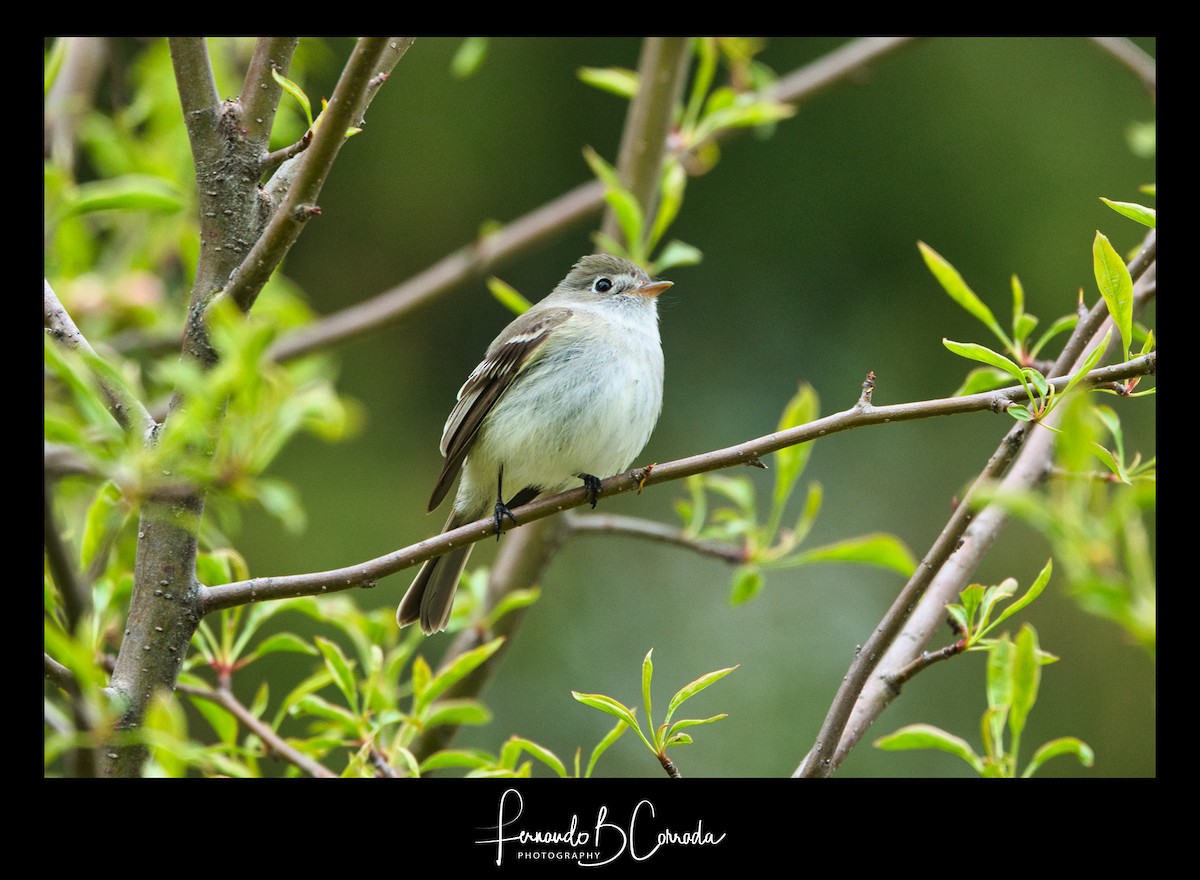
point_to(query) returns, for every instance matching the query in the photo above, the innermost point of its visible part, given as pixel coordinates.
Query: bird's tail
(431, 595)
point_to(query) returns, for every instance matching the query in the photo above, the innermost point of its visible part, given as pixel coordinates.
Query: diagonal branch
(224, 698)
(122, 404)
(371, 57)
(260, 91)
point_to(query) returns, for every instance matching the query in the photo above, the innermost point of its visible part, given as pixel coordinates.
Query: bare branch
(611, 523)
(224, 698)
(197, 93)
(260, 91)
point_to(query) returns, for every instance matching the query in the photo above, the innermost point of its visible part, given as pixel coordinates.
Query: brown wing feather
(508, 356)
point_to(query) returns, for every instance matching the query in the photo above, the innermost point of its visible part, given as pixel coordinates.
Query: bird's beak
(652, 290)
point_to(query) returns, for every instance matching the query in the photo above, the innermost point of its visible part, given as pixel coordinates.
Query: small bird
(570, 390)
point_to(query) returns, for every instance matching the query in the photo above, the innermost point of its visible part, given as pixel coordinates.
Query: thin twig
(59, 675)
(1131, 55)
(224, 698)
(76, 595)
(636, 526)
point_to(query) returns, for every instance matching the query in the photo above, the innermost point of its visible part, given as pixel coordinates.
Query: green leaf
(105, 516)
(993, 595)
(601, 747)
(673, 732)
(884, 550)
(791, 461)
(446, 758)
(224, 725)
(457, 712)
(321, 708)
(1032, 593)
(1020, 319)
(1067, 745)
(129, 192)
(1026, 675)
(339, 668)
(421, 676)
(624, 205)
(469, 57)
(747, 581)
(982, 379)
(540, 752)
(511, 602)
(962, 620)
(1140, 213)
(286, 643)
(462, 666)
(674, 181)
(508, 296)
(1090, 361)
(985, 355)
(677, 253)
(690, 690)
(1062, 325)
(647, 674)
(296, 92)
(957, 288)
(926, 736)
(999, 673)
(616, 709)
(1112, 277)
(617, 80)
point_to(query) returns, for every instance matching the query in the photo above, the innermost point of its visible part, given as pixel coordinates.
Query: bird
(570, 390)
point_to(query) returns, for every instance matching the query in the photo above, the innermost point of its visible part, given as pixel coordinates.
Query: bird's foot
(591, 485)
(502, 511)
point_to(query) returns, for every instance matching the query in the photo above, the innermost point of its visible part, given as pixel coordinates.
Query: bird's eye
(602, 285)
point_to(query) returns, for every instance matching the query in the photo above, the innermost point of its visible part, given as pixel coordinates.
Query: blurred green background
(993, 151)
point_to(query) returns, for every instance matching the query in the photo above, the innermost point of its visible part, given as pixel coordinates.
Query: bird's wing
(510, 354)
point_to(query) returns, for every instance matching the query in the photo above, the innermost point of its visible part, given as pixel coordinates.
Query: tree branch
(862, 414)
(260, 91)
(662, 71)
(342, 112)
(76, 596)
(198, 93)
